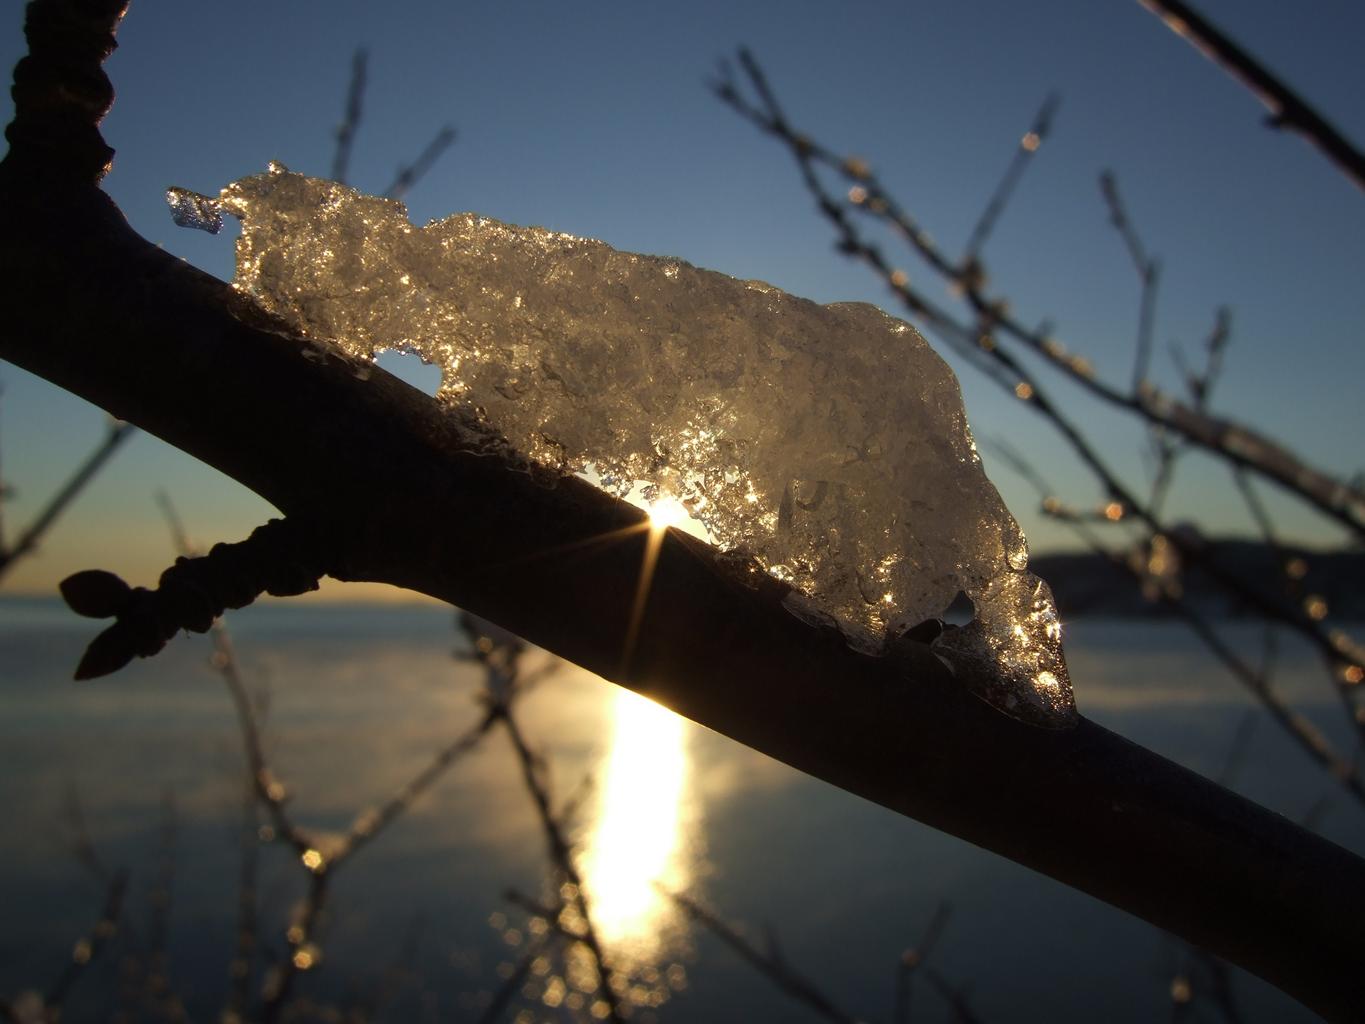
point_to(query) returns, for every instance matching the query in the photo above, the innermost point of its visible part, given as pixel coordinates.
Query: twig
(84, 846)
(955, 996)
(1237, 749)
(1299, 728)
(369, 824)
(777, 971)
(1148, 271)
(562, 857)
(1237, 443)
(158, 994)
(1029, 144)
(88, 948)
(411, 174)
(1233, 443)
(28, 540)
(1287, 109)
(248, 918)
(511, 985)
(350, 123)
(500, 653)
(914, 958)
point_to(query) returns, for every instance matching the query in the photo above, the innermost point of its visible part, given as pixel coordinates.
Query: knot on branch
(282, 558)
(61, 92)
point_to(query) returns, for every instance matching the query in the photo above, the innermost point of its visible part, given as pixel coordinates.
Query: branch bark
(409, 497)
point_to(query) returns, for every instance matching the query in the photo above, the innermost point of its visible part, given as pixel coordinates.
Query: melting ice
(828, 442)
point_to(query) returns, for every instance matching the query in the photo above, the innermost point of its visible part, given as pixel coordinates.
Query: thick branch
(413, 500)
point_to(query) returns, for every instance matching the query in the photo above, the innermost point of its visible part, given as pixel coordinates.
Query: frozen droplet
(827, 443)
(192, 210)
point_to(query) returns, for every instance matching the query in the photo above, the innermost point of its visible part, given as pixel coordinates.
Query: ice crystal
(191, 210)
(827, 442)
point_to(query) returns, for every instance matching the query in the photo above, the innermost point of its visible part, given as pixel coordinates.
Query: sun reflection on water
(638, 838)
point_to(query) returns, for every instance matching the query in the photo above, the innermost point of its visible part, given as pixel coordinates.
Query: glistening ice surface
(829, 442)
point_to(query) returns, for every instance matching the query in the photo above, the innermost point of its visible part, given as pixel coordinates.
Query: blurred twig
(1148, 271)
(89, 947)
(770, 964)
(114, 436)
(350, 122)
(1028, 145)
(410, 174)
(914, 958)
(977, 342)
(1287, 109)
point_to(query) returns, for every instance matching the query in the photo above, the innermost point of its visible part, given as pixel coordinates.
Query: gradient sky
(595, 119)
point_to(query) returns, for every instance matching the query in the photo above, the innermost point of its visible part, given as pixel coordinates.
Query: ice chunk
(192, 210)
(828, 442)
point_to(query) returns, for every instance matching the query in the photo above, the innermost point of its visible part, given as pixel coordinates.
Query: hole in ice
(410, 369)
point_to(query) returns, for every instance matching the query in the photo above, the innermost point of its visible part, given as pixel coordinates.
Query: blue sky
(595, 119)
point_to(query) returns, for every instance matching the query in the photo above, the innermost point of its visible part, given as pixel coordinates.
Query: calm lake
(419, 922)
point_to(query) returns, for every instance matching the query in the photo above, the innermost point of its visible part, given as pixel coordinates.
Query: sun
(667, 511)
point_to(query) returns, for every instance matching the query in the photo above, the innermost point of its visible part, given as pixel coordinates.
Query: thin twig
(88, 948)
(955, 996)
(511, 985)
(1148, 271)
(1233, 443)
(28, 540)
(1287, 109)
(1239, 444)
(1309, 738)
(350, 123)
(159, 995)
(248, 918)
(412, 173)
(914, 958)
(777, 971)
(1029, 144)
(369, 824)
(562, 857)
